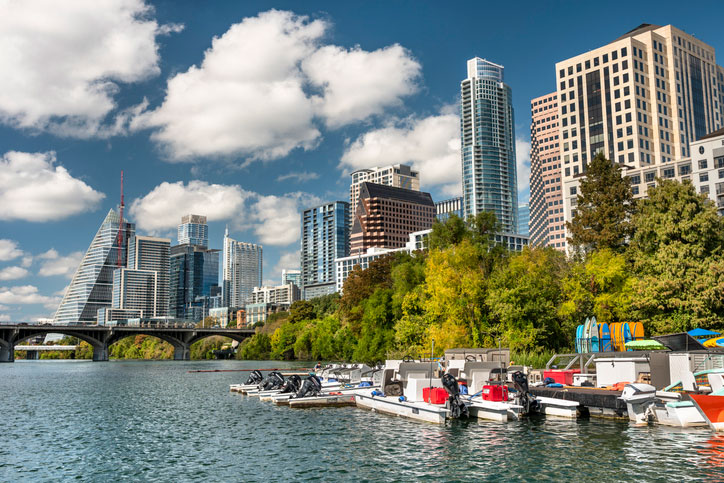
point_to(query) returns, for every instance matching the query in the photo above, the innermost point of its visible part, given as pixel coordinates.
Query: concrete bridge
(34, 351)
(100, 337)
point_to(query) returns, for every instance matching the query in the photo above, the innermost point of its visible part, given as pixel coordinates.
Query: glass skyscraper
(241, 272)
(92, 285)
(146, 256)
(193, 230)
(488, 144)
(325, 237)
(194, 272)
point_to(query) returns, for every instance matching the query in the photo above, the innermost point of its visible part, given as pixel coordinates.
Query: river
(155, 421)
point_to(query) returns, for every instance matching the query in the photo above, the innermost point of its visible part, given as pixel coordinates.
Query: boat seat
(688, 382)
(716, 381)
(414, 370)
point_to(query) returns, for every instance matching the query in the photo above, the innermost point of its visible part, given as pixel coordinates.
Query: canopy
(645, 345)
(702, 333)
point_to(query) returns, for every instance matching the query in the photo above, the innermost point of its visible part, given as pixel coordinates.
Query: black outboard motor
(255, 377)
(457, 406)
(312, 387)
(291, 385)
(274, 380)
(525, 399)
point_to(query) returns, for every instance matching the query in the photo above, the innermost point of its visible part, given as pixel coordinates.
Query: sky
(249, 112)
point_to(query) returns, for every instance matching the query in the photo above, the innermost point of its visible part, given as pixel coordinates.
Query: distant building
(148, 258)
(488, 144)
(261, 311)
(325, 237)
(222, 316)
(241, 271)
(193, 230)
(92, 285)
(386, 216)
(707, 171)
(292, 276)
(108, 315)
(523, 219)
(397, 175)
(280, 294)
(444, 209)
(194, 274)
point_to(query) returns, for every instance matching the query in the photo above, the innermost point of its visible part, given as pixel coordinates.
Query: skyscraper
(325, 237)
(193, 230)
(640, 100)
(144, 283)
(92, 285)
(397, 175)
(523, 219)
(446, 208)
(547, 226)
(292, 276)
(241, 272)
(488, 144)
(194, 273)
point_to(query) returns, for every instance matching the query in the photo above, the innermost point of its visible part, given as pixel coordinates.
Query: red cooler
(434, 395)
(561, 376)
(496, 393)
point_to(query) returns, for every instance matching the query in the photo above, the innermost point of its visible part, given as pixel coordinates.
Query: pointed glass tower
(92, 285)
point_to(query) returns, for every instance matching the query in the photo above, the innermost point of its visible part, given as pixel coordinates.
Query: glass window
(702, 164)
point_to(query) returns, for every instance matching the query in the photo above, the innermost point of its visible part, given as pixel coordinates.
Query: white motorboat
(645, 404)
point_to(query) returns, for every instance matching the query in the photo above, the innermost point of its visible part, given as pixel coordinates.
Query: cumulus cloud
(13, 273)
(277, 219)
(287, 261)
(26, 294)
(63, 62)
(55, 264)
(4, 318)
(263, 83)
(522, 161)
(164, 206)
(431, 145)
(8, 248)
(33, 189)
(300, 177)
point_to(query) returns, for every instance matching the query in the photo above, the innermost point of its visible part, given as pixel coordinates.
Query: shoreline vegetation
(658, 260)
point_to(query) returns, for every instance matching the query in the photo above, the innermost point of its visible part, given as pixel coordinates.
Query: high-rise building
(546, 226)
(386, 216)
(640, 100)
(444, 209)
(241, 271)
(488, 144)
(194, 274)
(292, 276)
(193, 230)
(92, 285)
(325, 237)
(707, 174)
(144, 283)
(523, 219)
(397, 175)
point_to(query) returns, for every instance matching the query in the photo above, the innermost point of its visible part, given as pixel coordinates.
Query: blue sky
(249, 111)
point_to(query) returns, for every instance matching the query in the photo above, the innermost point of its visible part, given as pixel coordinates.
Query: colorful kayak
(604, 334)
(712, 408)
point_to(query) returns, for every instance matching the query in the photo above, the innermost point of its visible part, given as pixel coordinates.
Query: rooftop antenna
(120, 227)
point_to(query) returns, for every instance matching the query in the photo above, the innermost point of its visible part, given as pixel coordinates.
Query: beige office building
(640, 100)
(397, 175)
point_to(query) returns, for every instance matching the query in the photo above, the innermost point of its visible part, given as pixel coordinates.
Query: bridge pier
(7, 351)
(182, 352)
(100, 352)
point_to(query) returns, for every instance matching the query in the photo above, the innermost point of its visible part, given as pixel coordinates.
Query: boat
(711, 408)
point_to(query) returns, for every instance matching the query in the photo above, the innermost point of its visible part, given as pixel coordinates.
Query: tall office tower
(194, 274)
(325, 237)
(639, 100)
(387, 215)
(136, 290)
(397, 175)
(523, 219)
(444, 209)
(292, 276)
(241, 272)
(546, 226)
(149, 254)
(488, 144)
(193, 230)
(92, 285)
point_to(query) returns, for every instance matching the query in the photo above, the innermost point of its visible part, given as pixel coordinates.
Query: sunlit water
(155, 421)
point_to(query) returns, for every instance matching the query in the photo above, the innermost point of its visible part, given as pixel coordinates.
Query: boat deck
(599, 402)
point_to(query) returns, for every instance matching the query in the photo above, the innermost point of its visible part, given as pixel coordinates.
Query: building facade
(386, 216)
(241, 271)
(523, 219)
(91, 287)
(279, 294)
(292, 276)
(325, 237)
(547, 225)
(397, 175)
(488, 144)
(640, 100)
(150, 254)
(137, 290)
(194, 274)
(444, 209)
(707, 167)
(193, 230)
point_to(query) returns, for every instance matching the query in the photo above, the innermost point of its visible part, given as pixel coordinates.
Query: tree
(604, 208)
(483, 226)
(678, 255)
(360, 285)
(447, 233)
(300, 311)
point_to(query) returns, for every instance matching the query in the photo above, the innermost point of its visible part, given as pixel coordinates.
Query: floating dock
(323, 401)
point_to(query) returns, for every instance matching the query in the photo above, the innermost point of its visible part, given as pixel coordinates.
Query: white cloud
(263, 83)
(287, 261)
(357, 84)
(8, 248)
(277, 219)
(26, 294)
(55, 264)
(301, 176)
(13, 273)
(26, 261)
(32, 189)
(430, 144)
(522, 154)
(4, 318)
(63, 61)
(164, 206)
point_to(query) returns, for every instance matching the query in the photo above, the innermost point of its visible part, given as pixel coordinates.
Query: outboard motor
(640, 400)
(291, 385)
(524, 397)
(312, 387)
(274, 380)
(457, 406)
(255, 377)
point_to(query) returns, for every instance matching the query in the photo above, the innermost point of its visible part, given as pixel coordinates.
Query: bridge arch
(181, 348)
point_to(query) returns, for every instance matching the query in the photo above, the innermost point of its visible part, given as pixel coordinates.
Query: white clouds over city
(64, 62)
(33, 188)
(26, 294)
(9, 250)
(13, 273)
(54, 263)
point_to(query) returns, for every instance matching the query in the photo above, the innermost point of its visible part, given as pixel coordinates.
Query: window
(636, 179)
(668, 173)
(649, 177)
(634, 190)
(684, 170)
(703, 177)
(573, 191)
(702, 164)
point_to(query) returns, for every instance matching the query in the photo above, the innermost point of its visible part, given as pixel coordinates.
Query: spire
(226, 233)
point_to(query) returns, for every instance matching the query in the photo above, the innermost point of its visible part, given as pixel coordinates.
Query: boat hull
(712, 409)
(391, 405)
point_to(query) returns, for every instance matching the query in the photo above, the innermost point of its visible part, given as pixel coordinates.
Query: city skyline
(73, 152)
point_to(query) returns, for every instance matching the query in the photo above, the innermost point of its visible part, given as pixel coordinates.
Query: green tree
(447, 233)
(677, 252)
(604, 208)
(257, 347)
(300, 311)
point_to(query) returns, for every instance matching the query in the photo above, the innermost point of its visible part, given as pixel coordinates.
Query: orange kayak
(712, 408)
